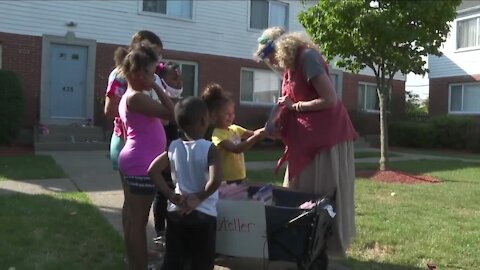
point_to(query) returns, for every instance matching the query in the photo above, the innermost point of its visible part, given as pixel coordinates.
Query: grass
(422, 223)
(29, 167)
(263, 155)
(275, 154)
(434, 152)
(371, 154)
(62, 231)
(266, 176)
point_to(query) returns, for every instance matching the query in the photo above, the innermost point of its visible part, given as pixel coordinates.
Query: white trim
(471, 48)
(365, 97)
(450, 98)
(376, 87)
(339, 73)
(253, 103)
(467, 10)
(161, 15)
(467, 49)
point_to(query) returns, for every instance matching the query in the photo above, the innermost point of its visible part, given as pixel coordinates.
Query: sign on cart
(241, 229)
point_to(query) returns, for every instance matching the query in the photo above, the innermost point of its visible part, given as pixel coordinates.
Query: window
(367, 97)
(337, 80)
(264, 14)
(189, 77)
(464, 98)
(174, 8)
(468, 33)
(259, 86)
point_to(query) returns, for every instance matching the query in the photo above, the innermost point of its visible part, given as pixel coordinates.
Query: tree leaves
(394, 36)
(389, 38)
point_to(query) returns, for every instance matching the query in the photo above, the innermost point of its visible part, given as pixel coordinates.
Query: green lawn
(263, 154)
(371, 154)
(433, 152)
(29, 167)
(422, 223)
(275, 154)
(62, 231)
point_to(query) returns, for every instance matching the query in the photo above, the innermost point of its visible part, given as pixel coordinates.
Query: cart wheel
(321, 262)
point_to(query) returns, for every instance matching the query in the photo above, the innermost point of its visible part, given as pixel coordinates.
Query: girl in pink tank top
(144, 141)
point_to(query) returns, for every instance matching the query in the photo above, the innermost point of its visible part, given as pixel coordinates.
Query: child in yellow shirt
(231, 140)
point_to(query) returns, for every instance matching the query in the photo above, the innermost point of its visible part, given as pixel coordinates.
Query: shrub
(451, 130)
(472, 139)
(416, 116)
(11, 106)
(411, 134)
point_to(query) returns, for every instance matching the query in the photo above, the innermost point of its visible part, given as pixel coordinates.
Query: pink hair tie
(160, 67)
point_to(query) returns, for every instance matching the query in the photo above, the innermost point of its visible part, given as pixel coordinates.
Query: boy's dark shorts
(140, 185)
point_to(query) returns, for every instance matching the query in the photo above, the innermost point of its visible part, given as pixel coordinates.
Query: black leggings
(190, 241)
(160, 204)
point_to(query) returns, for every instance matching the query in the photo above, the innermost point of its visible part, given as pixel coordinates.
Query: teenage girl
(144, 140)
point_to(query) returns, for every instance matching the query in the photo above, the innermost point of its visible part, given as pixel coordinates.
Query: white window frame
(457, 36)
(366, 84)
(450, 98)
(158, 14)
(253, 103)
(249, 8)
(374, 85)
(180, 63)
(339, 74)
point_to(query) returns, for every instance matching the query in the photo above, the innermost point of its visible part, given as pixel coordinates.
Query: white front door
(67, 87)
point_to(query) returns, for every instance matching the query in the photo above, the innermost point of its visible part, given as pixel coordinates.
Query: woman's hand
(286, 101)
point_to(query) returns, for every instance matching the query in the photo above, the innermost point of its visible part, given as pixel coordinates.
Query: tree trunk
(382, 93)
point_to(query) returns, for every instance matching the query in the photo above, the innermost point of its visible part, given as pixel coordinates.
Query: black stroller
(299, 235)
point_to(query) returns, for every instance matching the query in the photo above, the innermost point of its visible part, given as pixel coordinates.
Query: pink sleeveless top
(305, 134)
(145, 140)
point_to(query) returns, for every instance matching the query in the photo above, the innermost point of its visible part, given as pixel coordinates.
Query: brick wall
(22, 54)
(226, 72)
(438, 92)
(211, 68)
(369, 123)
(103, 66)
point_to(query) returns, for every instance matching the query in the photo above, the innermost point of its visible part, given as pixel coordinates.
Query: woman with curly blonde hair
(315, 128)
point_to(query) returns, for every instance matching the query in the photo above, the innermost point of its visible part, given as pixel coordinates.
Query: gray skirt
(332, 169)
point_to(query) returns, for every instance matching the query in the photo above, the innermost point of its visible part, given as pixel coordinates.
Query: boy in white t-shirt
(196, 172)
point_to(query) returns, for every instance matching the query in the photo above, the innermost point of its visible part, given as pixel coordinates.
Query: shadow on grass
(373, 265)
(61, 231)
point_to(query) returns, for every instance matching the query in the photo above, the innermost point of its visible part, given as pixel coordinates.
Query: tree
(414, 104)
(387, 36)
